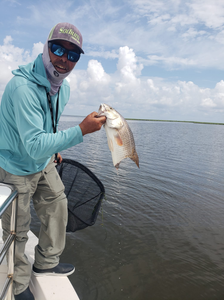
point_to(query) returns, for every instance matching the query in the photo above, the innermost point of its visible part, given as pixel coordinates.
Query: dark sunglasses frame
(71, 55)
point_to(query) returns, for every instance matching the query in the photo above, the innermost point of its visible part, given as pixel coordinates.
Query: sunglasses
(60, 51)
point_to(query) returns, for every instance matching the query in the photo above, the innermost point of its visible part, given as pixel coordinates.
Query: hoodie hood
(34, 72)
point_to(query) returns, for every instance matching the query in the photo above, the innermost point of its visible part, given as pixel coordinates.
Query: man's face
(61, 63)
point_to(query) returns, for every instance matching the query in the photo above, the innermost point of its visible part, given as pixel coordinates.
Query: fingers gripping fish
(119, 136)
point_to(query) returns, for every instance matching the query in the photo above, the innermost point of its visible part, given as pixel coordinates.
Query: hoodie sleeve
(32, 121)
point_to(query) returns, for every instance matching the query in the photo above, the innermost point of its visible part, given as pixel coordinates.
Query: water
(160, 232)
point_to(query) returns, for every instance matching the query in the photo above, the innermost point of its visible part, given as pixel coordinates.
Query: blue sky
(155, 59)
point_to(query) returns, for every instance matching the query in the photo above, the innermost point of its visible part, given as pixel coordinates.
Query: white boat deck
(43, 287)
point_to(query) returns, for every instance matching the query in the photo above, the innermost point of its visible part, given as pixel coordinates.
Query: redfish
(119, 136)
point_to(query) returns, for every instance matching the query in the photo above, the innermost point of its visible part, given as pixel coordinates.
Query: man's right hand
(92, 123)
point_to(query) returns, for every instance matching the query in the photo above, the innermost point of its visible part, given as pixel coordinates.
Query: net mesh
(84, 192)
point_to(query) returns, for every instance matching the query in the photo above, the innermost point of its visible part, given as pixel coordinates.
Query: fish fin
(110, 145)
(118, 139)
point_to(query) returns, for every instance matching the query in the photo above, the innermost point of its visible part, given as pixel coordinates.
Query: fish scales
(119, 136)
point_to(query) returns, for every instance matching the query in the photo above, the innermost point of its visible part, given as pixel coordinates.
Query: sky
(149, 59)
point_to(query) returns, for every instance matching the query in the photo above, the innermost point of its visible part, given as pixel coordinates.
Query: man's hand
(92, 123)
(59, 158)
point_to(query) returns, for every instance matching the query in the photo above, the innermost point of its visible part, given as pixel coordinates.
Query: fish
(120, 138)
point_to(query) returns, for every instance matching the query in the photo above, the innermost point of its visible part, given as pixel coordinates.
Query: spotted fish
(119, 136)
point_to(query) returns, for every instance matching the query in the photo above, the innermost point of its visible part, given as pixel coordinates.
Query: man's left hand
(59, 159)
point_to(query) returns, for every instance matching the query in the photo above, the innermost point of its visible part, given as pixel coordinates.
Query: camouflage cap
(66, 32)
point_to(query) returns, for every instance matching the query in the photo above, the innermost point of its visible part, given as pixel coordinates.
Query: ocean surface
(160, 232)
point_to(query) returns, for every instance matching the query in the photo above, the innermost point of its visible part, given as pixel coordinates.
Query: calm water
(160, 233)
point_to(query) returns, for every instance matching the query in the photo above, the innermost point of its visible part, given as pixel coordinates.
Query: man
(31, 105)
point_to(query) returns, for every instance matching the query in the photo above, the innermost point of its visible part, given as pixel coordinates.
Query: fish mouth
(101, 107)
(100, 114)
(101, 110)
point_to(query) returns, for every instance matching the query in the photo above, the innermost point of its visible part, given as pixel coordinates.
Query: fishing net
(84, 192)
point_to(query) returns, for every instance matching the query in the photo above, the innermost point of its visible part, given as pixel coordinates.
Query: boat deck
(43, 287)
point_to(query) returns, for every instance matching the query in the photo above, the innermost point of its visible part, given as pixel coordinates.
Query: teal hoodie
(27, 141)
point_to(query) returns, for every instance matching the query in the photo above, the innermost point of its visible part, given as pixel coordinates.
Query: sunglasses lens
(59, 51)
(73, 56)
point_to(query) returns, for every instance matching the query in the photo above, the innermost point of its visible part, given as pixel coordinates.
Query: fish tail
(135, 158)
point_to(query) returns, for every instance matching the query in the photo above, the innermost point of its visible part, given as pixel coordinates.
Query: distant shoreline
(195, 122)
(152, 120)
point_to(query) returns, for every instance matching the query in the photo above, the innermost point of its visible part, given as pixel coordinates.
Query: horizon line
(156, 120)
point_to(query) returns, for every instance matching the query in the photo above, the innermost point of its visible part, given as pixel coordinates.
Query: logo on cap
(73, 34)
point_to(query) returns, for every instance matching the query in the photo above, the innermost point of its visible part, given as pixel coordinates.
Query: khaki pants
(47, 191)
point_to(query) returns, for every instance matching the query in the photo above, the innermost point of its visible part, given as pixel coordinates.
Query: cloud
(138, 96)
(179, 33)
(127, 64)
(211, 13)
(171, 33)
(96, 72)
(207, 102)
(180, 12)
(171, 61)
(11, 57)
(37, 49)
(103, 54)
